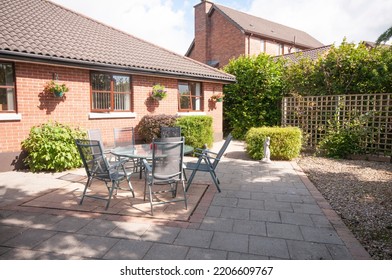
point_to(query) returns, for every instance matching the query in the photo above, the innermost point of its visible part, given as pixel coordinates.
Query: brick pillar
(201, 31)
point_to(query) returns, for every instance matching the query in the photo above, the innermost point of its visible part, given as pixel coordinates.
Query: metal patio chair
(165, 171)
(98, 168)
(95, 134)
(207, 162)
(125, 137)
(170, 131)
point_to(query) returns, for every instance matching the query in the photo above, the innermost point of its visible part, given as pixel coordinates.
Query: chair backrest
(167, 158)
(95, 134)
(124, 137)
(170, 131)
(222, 150)
(93, 158)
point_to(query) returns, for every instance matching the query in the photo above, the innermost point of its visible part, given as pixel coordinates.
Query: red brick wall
(217, 39)
(200, 52)
(36, 109)
(226, 41)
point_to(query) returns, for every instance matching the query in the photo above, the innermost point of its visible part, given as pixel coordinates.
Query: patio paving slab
(265, 212)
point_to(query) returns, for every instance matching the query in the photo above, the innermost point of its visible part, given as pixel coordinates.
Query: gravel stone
(360, 192)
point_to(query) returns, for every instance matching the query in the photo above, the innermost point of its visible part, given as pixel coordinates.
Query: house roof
(47, 32)
(268, 29)
(374, 44)
(312, 54)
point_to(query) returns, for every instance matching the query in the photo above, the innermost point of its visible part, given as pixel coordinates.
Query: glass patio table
(140, 152)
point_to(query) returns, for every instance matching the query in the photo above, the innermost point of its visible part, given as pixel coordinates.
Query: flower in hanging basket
(158, 92)
(56, 89)
(217, 98)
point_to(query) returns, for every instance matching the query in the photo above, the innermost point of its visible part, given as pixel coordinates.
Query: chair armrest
(147, 165)
(209, 152)
(117, 163)
(209, 157)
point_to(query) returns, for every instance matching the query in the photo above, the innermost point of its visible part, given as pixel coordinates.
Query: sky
(170, 23)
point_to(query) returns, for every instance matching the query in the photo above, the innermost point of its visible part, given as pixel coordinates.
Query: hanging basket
(58, 93)
(158, 92)
(58, 90)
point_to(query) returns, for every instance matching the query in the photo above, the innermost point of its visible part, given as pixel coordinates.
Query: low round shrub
(285, 142)
(51, 147)
(149, 126)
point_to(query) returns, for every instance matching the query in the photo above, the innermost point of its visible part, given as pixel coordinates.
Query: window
(262, 46)
(110, 92)
(7, 88)
(189, 96)
(280, 49)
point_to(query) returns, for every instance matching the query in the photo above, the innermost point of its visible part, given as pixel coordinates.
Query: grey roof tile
(42, 28)
(312, 54)
(269, 29)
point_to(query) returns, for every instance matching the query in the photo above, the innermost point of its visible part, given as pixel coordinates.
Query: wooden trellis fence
(313, 114)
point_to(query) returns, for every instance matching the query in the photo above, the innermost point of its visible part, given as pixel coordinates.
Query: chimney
(201, 31)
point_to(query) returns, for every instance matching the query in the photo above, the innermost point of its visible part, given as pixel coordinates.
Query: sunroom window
(7, 88)
(189, 96)
(110, 92)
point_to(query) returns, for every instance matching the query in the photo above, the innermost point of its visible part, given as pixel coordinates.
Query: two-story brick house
(222, 33)
(110, 75)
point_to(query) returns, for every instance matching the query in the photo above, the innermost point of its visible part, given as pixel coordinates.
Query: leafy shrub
(197, 130)
(51, 147)
(285, 142)
(254, 100)
(347, 137)
(346, 69)
(149, 126)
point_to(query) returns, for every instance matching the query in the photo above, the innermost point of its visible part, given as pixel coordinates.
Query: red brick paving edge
(355, 248)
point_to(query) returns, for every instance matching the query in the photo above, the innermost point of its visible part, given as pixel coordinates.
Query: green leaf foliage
(347, 69)
(149, 126)
(197, 130)
(51, 147)
(285, 142)
(255, 99)
(348, 136)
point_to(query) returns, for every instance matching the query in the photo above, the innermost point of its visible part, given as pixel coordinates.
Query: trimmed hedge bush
(197, 130)
(51, 147)
(149, 126)
(285, 142)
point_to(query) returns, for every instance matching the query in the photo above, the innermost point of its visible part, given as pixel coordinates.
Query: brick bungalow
(222, 33)
(109, 73)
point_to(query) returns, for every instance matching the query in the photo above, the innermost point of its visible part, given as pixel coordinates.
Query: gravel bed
(361, 193)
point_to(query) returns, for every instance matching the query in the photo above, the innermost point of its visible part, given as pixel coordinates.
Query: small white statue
(267, 152)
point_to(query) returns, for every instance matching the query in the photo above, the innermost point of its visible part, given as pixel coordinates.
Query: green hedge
(51, 147)
(197, 130)
(285, 142)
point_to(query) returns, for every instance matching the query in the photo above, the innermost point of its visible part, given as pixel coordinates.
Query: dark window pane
(100, 82)
(6, 74)
(185, 102)
(7, 90)
(121, 83)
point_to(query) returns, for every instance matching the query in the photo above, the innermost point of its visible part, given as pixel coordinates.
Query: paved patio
(265, 211)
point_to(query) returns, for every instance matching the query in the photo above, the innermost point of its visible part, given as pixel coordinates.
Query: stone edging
(356, 249)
